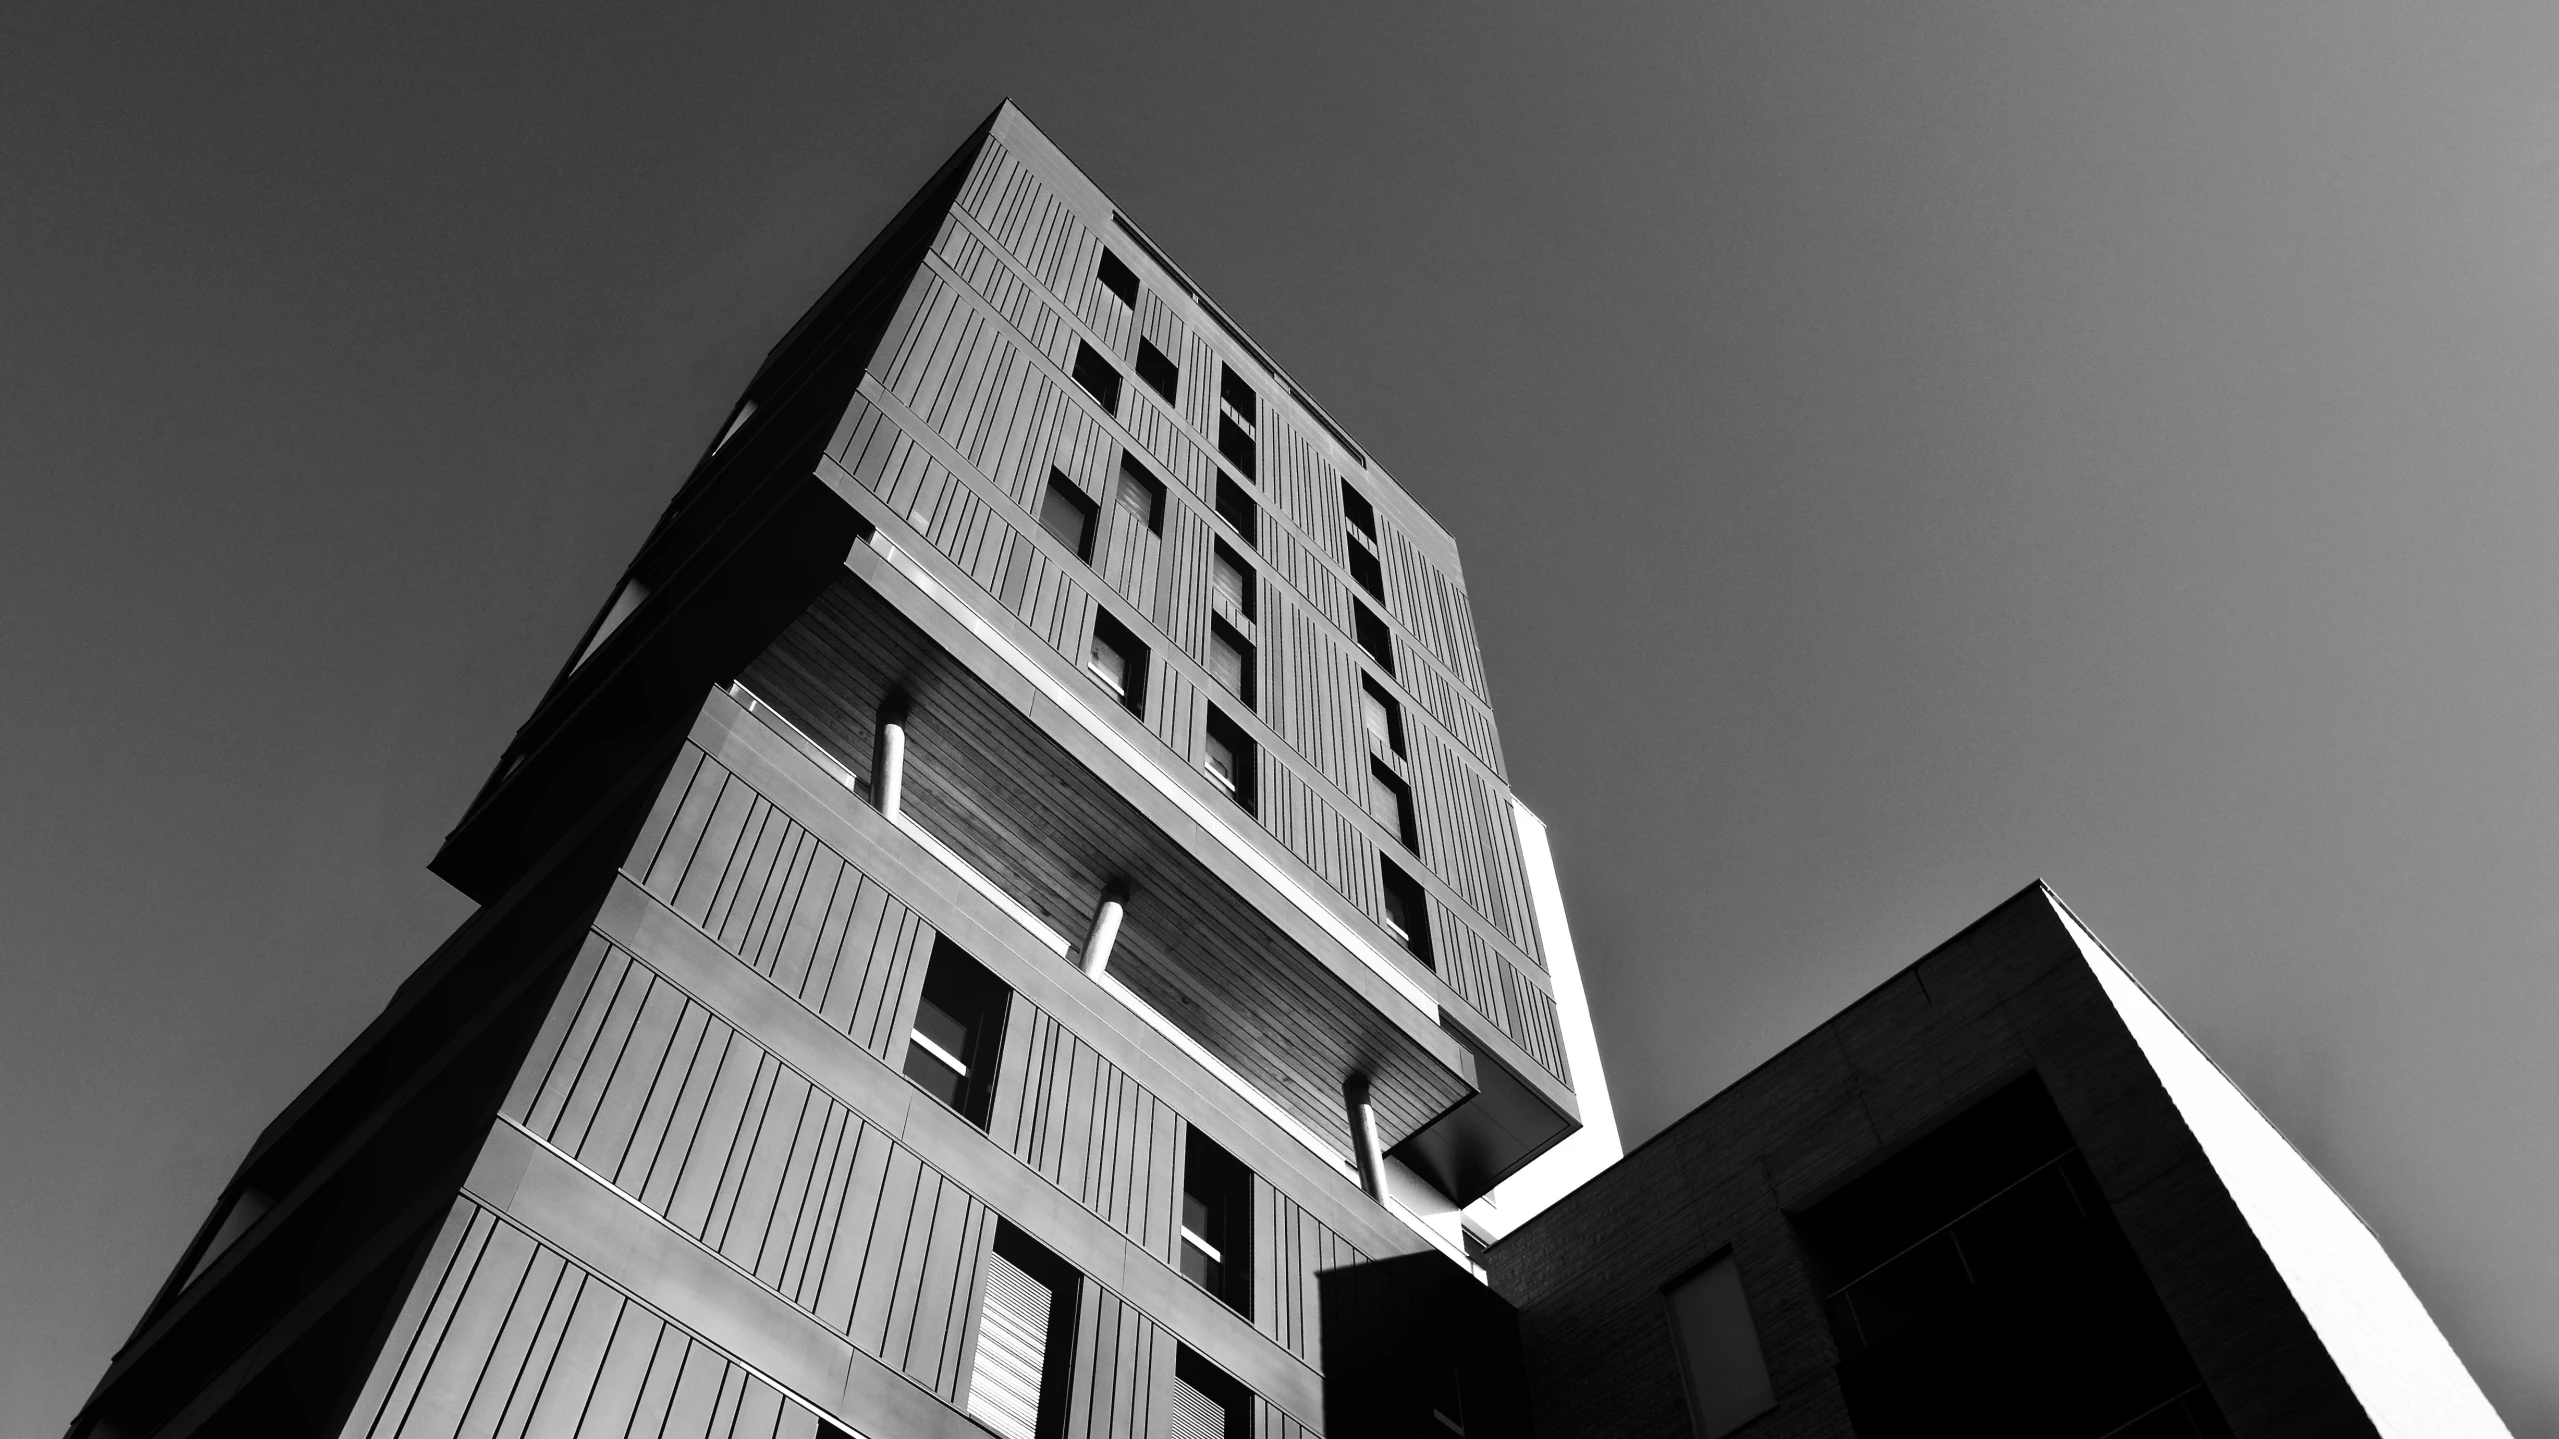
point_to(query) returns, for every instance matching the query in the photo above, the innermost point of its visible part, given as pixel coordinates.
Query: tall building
(1013, 920)
(1018, 880)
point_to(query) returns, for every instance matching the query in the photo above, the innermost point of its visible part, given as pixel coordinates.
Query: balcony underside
(1052, 831)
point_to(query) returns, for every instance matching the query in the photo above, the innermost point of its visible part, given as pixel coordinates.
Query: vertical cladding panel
(507, 1337)
(1185, 598)
(820, 929)
(1291, 1247)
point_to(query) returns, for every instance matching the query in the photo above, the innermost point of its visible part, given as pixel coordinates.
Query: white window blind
(1012, 1351)
(1195, 1415)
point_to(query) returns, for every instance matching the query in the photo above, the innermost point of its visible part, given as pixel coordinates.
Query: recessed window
(1356, 510)
(1117, 662)
(1067, 513)
(1141, 494)
(1237, 509)
(1158, 370)
(1373, 637)
(1230, 581)
(1238, 394)
(1407, 919)
(1381, 716)
(1390, 801)
(1719, 1352)
(1235, 443)
(1366, 570)
(1099, 377)
(1117, 278)
(958, 1031)
(1229, 758)
(1217, 1223)
(1206, 1403)
(1024, 1368)
(1230, 660)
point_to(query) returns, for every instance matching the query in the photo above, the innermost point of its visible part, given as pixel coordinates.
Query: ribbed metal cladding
(1012, 1351)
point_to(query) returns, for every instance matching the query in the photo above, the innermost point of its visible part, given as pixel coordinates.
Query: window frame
(1244, 756)
(1062, 488)
(1247, 690)
(1102, 269)
(1149, 360)
(1223, 1187)
(966, 992)
(1241, 512)
(1095, 374)
(1371, 692)
(1404, 823)
(1397, 889)
(1134, 658)
(1370, 629)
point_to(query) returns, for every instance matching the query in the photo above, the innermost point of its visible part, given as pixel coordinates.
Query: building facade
(1018, 881)
(1013, 920)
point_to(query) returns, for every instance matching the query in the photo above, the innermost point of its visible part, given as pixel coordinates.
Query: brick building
(1013, 920)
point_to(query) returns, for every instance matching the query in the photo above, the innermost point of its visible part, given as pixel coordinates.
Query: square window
(1381, 715)
(1217, 1223)
(1141, 494)
(1231, 581)
(1118, 662)
(1390, 802)
(1238, 510)
(1099, 377)
(1238, 395)
(1366, 570)
(1355, 509)
(1235, 443)
(1158, 370)
(1067, 513)
(1117, 278)
(1230, 759)
(1372, 634)
(1023, 1371)
(1230, 660)
(1407, 918)
(958, 1032)
(1206, 1403)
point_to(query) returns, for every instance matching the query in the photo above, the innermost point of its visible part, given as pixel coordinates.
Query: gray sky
(1899, 450)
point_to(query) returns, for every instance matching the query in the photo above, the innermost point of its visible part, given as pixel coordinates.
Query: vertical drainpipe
(888, 775)
(1106, 929)
(1372, 1161)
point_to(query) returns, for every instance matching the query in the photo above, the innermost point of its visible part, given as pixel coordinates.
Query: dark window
(1118, 662)
(1719, 1353)
(1366, 570)
(1141, 493)
(1217, 1223)
(1024, 1367)
(958, 1032)
(1391, 801)
(1406, 917)
(1158, 370)
(1230, 660)
(1355, 508)
(1117, 278)
(1231, 581)
(1099, 377)
(1238, 395)
(1067, 513)
(1979, 1272)
(1448, 1398)
(1228, 756)
(1206, 1404)
(1236, 444)
(1237, 509)
(1371, 633)
(1381, 715)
